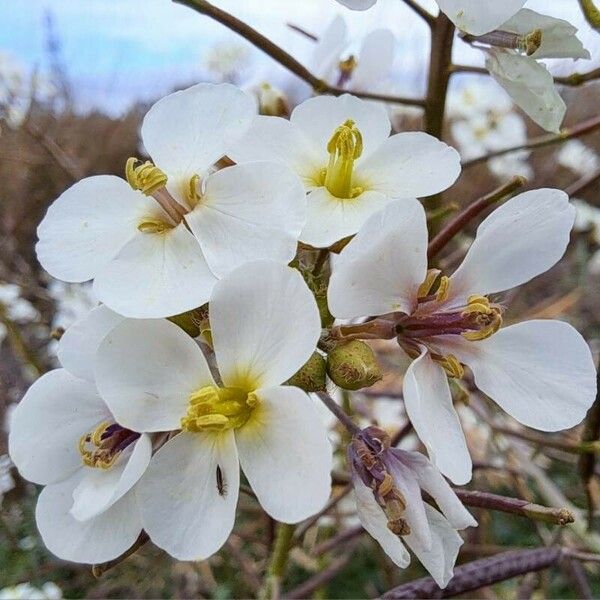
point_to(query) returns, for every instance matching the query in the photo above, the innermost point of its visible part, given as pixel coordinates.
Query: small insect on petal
(221, 482)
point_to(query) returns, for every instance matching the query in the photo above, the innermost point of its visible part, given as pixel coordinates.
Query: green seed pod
(352, 365)
(311, 376)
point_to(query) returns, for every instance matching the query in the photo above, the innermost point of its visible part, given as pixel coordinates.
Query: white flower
(528, 82)
(510, 165)
(477, 99)
(64, 437)
(351, 167)
(159, 253)
(154, 377)
(588, 217)
(26, 591)
(17, 308)
(540, 372)
(73, 301)
(578, 157)
(473, 16)
(387, 484)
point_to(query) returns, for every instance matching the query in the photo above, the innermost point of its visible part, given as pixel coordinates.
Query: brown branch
(306, 525)
(337, 410)
(549, 139)
(422, 12)
(463, 218)
(298, 29)
(99, 569)
(572, 80)
(338, 540)
(284, 58)
(515, 506)
(481, 573)
(581, 184)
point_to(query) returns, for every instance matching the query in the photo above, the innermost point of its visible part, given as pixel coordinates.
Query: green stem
(591, 13)
(279, 559)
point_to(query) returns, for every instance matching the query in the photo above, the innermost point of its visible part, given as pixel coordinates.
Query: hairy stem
(278, 562)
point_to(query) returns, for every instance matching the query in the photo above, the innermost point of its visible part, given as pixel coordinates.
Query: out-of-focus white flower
(227, 61)
(477, 99)
(473, 16)
(154, 377)
(511, 165)
(16, 308)
(7, 482)
(387, 484)
(578, 157)
(72, 302)
(63, 436)
(588, 217)
(350, 165)
(157, 250)
(540, 372)
(26, 591)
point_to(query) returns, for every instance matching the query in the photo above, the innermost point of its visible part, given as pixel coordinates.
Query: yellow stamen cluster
(191, 191)
(144, 177)
(151, 225)
(348, 65)
(344, 147)
(96, 456)
(425, 287)
(216, 408)
(443, 289)
(451, 365)
(487, 316)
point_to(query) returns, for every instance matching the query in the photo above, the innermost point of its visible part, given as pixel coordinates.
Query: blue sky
(118, 51)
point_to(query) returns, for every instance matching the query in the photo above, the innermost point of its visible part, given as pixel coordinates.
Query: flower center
(101, 447)
(344, 147)
(477, 320)
(218, 409)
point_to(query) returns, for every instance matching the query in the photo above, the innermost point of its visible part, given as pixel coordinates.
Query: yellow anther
(386, 486)
(151, 225)
(485, 332)
(348, 65)
(443, 289)
(425, 287)
(144, 177)
(477, 305)
(191, 192)
(218, 408)
(451, 366)
(531, 42)
(344, 147)
(96, 435)
(96, 455)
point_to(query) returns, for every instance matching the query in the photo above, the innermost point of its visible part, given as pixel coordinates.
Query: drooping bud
(353, 365)
(271, 101)
(311, 376)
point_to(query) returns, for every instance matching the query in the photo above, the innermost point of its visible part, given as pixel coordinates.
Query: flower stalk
(278, 562)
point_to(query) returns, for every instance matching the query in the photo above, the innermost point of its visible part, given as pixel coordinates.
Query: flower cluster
(210, 331)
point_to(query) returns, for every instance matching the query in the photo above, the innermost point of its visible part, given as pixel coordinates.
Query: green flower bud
(352, 365)
(311, 376)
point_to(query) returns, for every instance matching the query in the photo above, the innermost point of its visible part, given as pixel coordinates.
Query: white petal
(327, 50)
(410, 164)
(186, 132)
(318, 117)
(429, 406)
(249, 212)
(146, 371)
(99, 489)
(276, 139)
(255, 341)
(431, 481)
(330, 219)
(156, 275)
(182, 509)
(358, 4)
(440, 557)
(286, 455)
(94, 541)
(87, 225)
(375, 59)
(374, 521)
(540, 372)
(521, 239)
(381, 269)
(49, 421)
(558, 36)
(479, 16)
(77, 347)
(530, 85)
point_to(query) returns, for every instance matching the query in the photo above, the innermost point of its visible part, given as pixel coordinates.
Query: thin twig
(336, 409)
(422, 12)
(99, 569)
(300, 30)
(549, 139)
(572, 80)
(591, 13)
(515, 506)
(306, 525)
(463, 218)
(581, 184)
(338, 540)
(284, 58)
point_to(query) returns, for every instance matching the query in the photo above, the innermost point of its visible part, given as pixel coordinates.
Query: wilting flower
(156, 250)
(350, 165)
(387, 484)
(64, 437)
(540, 372)
(531, 36)
(473, 16)
(154, 377)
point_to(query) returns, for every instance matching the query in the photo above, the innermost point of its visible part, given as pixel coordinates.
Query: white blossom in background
(577, 157)
(527, 81)
(7, 482)
(476, 100)
(154, 377)
(226, 61)
(540, 372)
(388, 483)
(17, 309)
(72, 302)
(26, 591)
(157, 250)
(351, 167)
(64, 437)
(588, 219)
